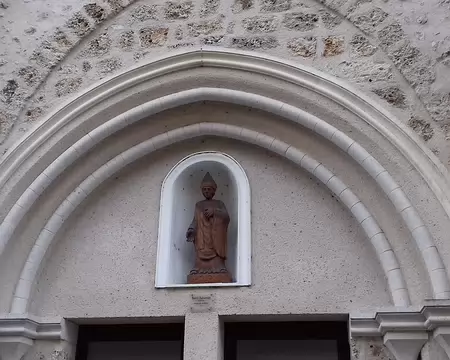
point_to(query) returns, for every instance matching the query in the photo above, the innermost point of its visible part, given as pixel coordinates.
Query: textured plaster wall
(397, 52)
(104, 263)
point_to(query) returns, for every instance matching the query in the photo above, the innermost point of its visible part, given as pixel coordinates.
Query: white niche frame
(168, 252)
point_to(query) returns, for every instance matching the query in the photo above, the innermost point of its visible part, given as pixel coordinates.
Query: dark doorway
(140, 341)
(305, 340)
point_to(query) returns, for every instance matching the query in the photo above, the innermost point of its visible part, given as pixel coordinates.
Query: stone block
(86, 66)
(96, 12)
(421, 127)
(255, 42)
(275, 5)
(365, 71)
(179, 33)
(180, 45)
(242, 5)
(391, 34)
(209, 7)
(79, 24)
(369, 20)
(417, 69)
(336, 5)
(303, 46)
(6, 123)
(67, 86)
(213, 40)
(333, 45)
(258, 24)
(420, 75)
(438, 104)
(108, 66)
(393, 95)
(300, 21)
(355, 4)
(153, 36)
(126, 40)
(33, 114)
(360, 46)
(60, 41)
(178, 10)
(99, 46)
(144, 12)
(204, 27)
(30, 75)
(115, 5)
(329, 20)
(9, 91)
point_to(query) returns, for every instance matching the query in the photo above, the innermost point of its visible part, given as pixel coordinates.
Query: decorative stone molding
(427, 318)
(241, 271)
(35, 328)
(433, 172)
(339, 91)
(304, 77)
(17, 335)
(424, 242)
(405, 345)
(383, 249)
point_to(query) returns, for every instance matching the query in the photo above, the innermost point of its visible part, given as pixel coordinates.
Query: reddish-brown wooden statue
(208, 232)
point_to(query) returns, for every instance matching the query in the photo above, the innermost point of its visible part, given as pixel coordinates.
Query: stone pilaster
(203, 337)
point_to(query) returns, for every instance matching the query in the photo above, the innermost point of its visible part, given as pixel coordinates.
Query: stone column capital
(14, 347)
(405, 345)
(442, 336)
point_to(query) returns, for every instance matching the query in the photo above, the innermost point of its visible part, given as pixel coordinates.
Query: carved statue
(208, 232)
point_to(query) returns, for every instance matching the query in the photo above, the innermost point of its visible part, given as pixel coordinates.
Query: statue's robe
(210, 235)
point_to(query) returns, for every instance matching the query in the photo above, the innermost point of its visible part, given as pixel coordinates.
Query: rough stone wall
(396, 52)
(50, 350)
(369, 349)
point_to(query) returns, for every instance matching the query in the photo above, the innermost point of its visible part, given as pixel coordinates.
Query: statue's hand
(209, 213)
(190, 235)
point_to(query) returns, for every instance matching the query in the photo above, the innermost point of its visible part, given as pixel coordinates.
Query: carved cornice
(428, 318)
(35, 328)
(425, 319)
(31, 328)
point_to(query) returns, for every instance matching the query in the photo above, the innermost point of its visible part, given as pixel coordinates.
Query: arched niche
(180, 191)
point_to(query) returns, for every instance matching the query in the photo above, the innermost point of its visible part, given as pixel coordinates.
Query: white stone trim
(431, 169)
(427, 318)
(31, 328)
(391, 268)
(439, 278)
(244, 233)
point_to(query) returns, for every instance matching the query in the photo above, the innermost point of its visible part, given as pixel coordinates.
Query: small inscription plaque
(202, 303)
